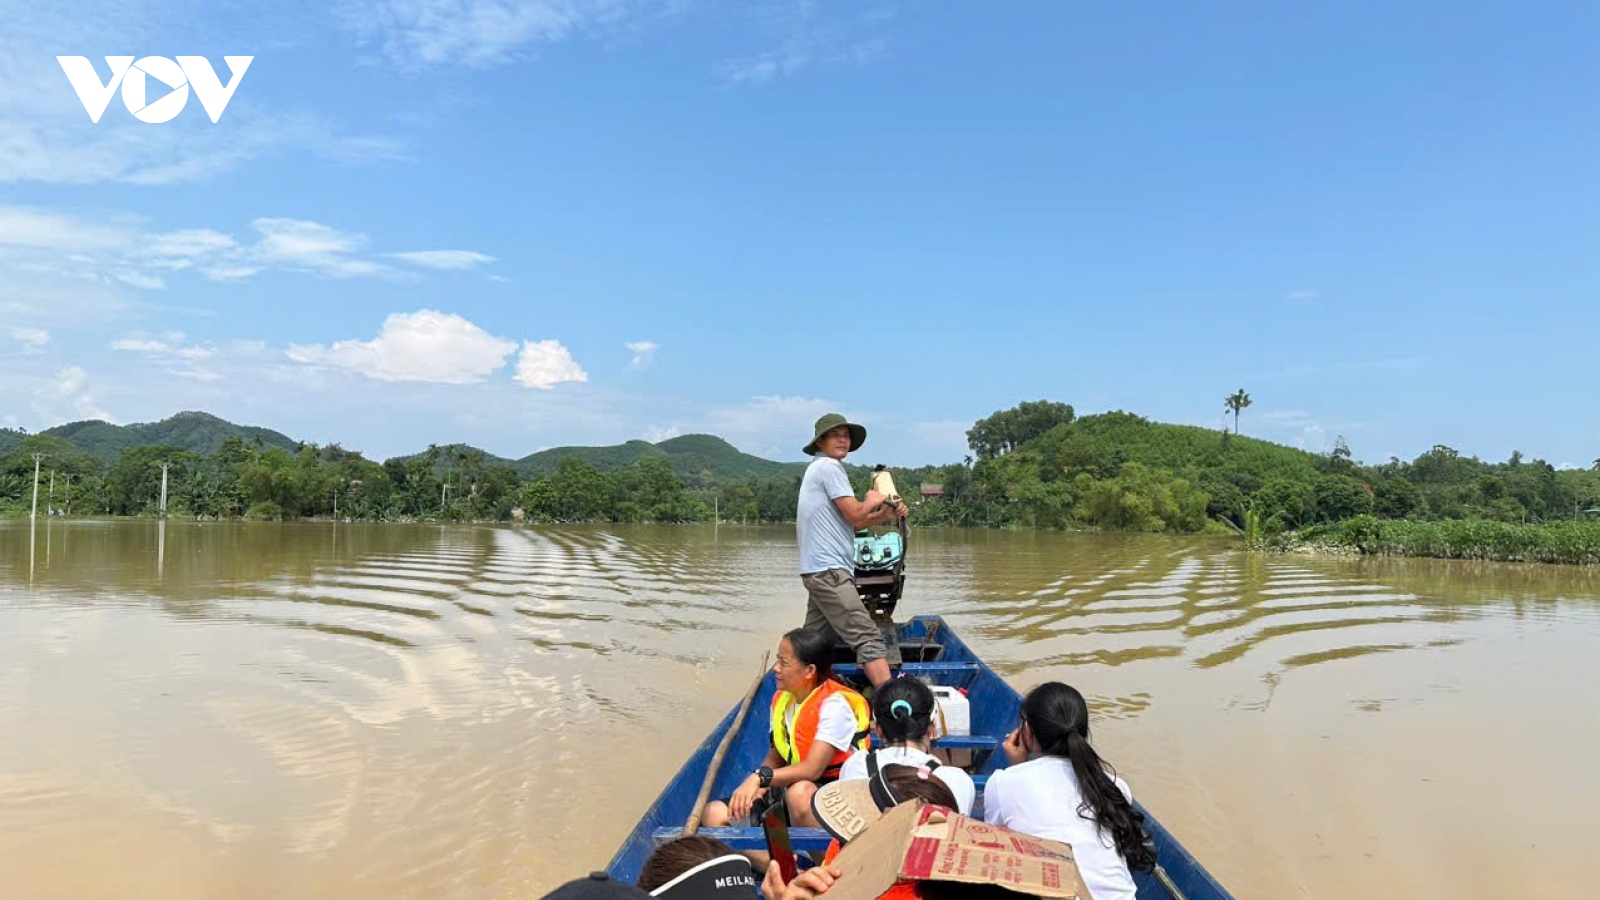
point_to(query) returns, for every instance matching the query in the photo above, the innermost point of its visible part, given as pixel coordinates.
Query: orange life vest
(797, 747)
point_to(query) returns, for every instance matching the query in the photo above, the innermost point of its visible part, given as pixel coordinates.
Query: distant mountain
(199, 432)
(688, 455)
(448, 452)
(605, 459)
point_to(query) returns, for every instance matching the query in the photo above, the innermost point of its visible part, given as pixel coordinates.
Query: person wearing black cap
(827, 517)
(598, 886)
(724, 878)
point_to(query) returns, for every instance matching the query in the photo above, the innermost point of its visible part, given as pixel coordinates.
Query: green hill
(605, 459)
(688, 455)
(449, 453)
(199, 432)
(692, 454)
(10, 439)
(1101, 443)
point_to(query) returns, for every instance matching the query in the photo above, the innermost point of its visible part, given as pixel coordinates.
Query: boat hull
(995, 708)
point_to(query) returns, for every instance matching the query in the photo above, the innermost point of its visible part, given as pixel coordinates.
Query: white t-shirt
(1041, 797)
(958, 781)
(826, 539)
(836, 722)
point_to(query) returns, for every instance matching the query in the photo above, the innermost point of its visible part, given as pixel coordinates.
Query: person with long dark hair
(902, 713)
(1066, 792)
(815, 724)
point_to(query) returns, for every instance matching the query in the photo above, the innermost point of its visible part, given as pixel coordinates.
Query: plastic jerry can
(952, 714)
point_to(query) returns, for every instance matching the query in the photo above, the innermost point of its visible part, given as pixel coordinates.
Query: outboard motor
(881, 557)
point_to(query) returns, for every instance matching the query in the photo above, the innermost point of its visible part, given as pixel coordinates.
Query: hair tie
(923, 773)
(894, 709)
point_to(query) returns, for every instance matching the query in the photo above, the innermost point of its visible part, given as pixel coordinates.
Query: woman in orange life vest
(816, 723)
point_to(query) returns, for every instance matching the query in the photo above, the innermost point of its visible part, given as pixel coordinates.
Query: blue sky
(526, 223)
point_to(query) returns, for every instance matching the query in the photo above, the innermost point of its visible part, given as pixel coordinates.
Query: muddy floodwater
(406, 711)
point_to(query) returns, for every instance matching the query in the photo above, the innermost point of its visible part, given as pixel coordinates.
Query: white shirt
(826, 539)
(1041, 797)
(958, 781)
(836, 722)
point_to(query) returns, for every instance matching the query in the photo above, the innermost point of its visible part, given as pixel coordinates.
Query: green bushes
(1571, 543)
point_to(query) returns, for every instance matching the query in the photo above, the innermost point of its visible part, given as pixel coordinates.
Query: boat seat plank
(968, 742)
(964, 672)
(983, 742)
(805, 840)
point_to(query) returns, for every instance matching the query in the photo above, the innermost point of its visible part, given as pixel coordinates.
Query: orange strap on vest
(797, 747)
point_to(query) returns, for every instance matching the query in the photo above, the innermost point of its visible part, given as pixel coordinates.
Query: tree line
(1036, 465)
(249, 480)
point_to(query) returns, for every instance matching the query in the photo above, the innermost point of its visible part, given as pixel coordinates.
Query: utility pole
(444, 491)
(50, 508)
(336, 505)
(37, 457)
(164, 490)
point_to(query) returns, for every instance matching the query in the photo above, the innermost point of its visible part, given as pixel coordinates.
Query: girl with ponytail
(1066, 792)
(902, 714)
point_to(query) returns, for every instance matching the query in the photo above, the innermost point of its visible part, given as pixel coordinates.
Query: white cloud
(189, 243)
(1312, 437)
(544, 364)
(67, 397)
(140, 280)
(39, 230)
(301, 244)
(815, 34)
(644, 354)
(168, 345)
(30, 338)
(229, 272)
(64, 247)
(655, 434)
(426, 345)
(445, 259)
(771, 426)
(1303, 295)
(139, 345)
(420, 34)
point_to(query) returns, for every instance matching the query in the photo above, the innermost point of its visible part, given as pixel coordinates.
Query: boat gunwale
(1188, 875)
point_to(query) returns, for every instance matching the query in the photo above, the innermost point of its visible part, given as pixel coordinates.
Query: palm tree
(1237, 402)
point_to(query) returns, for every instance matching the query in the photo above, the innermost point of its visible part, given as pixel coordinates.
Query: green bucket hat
(858, 434)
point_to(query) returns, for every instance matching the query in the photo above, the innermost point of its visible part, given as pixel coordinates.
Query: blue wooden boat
(930, 650)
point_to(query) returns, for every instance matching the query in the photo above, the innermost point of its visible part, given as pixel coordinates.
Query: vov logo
(134, 76)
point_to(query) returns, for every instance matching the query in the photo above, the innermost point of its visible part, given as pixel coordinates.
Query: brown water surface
(407, 711)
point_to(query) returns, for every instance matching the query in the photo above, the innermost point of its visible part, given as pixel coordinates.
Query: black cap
(723, 878)
(598, 886)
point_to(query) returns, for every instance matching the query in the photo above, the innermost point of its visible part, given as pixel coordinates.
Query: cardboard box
(918, 842)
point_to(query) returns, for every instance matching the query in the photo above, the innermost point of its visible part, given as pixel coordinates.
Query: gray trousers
(834, 608)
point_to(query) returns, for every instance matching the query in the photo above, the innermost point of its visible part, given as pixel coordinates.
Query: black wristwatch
(764, 775)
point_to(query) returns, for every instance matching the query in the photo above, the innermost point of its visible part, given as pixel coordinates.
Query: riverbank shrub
(1570, 543)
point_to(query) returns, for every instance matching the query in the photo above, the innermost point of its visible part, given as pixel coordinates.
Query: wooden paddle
(699, 812)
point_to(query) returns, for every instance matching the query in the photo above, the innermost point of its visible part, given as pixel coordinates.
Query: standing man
(828, 518)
